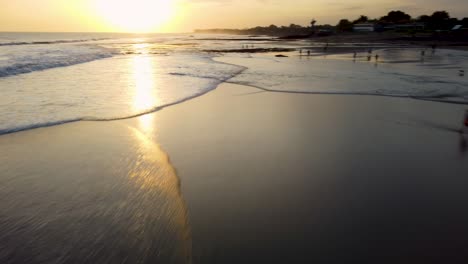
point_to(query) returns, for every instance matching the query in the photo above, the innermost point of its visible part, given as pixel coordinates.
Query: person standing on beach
(308, 53)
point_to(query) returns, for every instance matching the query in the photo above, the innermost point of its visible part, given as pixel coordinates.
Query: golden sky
(186, 15)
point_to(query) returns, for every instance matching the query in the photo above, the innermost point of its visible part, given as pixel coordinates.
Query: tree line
(439, 20)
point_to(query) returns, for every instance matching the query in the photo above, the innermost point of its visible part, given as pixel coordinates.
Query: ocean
(55, 78)
(260, 170)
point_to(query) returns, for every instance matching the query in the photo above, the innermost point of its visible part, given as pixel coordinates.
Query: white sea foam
(114, 88)
(18, 59)
(400, 73)
(126, 76)
(45, 42)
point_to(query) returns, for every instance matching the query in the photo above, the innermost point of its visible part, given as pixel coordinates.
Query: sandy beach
(90, 193)
(239, 175)
(333, 179)
(232, 132)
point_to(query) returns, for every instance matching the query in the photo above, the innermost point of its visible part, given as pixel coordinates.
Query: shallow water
(113, 88)
(397, 72)
(53, 78)
(321, 179)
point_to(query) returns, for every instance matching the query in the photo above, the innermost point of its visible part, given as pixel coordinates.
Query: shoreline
(389, 38)
(254, 170)
(293, 169)
(332, 51)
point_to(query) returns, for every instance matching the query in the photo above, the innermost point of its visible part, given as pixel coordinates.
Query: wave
(354, 79)
(197, 76)
(31, 60)
(342, 77)
(441, 98)
(20, 68)
(38, 125)
(213, 86)
(19, 43)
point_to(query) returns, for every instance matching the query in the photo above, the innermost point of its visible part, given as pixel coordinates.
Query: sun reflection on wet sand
(113, 196)
(163, 178)
(146, 124)
(145, 88)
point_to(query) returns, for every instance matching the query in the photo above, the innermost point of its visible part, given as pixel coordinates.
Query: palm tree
(312, 23)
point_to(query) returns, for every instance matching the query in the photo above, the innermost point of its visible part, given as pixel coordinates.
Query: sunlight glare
(136, 15)
(144, 94)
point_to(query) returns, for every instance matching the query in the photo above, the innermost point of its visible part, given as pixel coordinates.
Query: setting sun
(136, 15)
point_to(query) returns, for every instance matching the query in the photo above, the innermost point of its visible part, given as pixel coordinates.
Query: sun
(136, 15)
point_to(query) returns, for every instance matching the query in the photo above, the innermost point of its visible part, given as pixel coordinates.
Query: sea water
(396, 72)
(53, 78)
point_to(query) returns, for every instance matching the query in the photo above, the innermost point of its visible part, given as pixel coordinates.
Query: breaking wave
(20, 43)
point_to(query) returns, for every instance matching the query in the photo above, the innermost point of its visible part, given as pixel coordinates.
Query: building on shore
(410, 26)
(364, 27)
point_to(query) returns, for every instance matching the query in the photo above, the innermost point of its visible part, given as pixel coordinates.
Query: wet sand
(291, 178)
(264, 178)
(90, 192)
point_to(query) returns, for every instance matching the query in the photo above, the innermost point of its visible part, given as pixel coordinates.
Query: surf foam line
(152, 110)
(423, 98)
(22, 68)
(51, 42)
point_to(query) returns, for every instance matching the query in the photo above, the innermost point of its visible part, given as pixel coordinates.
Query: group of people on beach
(369, 55)
(325, 49)
(300, 52)
(246, 46)
(369, 52)
(307, 52)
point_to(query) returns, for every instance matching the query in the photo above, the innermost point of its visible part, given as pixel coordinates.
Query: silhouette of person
(308, 53)
(355, 55)
(423, 53)
(376, 57)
